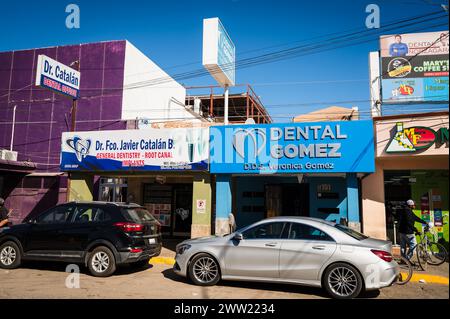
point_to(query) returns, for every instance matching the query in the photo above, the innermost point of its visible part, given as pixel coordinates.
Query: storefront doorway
(428, 188)
(397, 190)
(113, 189)
(259, 197)
(171, 204)
(287, 200)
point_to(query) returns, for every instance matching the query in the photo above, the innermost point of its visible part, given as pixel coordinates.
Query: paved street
(47, 280)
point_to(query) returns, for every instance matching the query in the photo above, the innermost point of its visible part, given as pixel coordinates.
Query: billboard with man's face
(415, 67)
(410, 44)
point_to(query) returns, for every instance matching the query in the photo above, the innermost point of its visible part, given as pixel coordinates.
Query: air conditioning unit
(8, 155)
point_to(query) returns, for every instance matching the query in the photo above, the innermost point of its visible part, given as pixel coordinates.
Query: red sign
(411, 139)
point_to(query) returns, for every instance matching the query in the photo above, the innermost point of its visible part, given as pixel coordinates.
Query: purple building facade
(33, 182)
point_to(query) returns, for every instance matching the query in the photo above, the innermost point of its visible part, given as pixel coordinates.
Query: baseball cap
(410, 202)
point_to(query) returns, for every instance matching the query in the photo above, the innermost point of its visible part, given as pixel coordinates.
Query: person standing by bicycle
(407, 230)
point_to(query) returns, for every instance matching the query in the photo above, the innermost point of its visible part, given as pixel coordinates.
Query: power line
(63, 100)
(57, 138)
(259, 62)
(114, 121)
(277, 55)
(311, 49)
(220, 107)
(324, 117)
(344, 102)
(309, 103)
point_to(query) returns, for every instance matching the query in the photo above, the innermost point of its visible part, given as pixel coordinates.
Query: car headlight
(182, 248)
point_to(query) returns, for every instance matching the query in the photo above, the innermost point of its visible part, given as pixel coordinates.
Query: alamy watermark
(373, 19)
(73, 19)
(73, 279)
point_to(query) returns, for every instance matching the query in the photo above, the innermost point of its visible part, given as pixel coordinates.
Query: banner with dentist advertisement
(415, 67)
(178, 149)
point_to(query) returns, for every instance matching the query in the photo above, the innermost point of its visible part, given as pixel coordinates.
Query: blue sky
(170, 33)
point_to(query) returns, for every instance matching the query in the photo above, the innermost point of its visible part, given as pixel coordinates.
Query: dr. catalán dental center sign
(136, 150)
(324, 147)
(57, 77)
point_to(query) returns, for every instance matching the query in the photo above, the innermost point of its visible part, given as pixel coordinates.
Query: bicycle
(406, 270)
(428, 251)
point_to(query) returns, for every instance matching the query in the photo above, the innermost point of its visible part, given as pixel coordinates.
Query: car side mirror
(238, 236)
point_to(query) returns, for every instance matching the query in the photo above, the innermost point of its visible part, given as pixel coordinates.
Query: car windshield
(138, 215)
(351, 232)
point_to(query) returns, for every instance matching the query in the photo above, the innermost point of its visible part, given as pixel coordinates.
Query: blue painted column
(223, 203)
(353, 202)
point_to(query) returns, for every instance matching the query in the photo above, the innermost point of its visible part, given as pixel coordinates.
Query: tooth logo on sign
(80, 146)
(240, 135)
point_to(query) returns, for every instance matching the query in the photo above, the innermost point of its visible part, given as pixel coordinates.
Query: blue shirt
(398, 49)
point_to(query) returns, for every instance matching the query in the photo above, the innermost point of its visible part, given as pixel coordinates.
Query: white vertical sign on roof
(219, 52)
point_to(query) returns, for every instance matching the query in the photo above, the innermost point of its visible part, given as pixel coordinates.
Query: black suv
(100, 235)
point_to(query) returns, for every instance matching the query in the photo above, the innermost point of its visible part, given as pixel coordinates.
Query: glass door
(274, 203)
(295, 199)
(113, 189)
(158, 200)
(182, 217)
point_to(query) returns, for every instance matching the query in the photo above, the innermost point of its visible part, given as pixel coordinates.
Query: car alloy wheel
(100, 262)
(8, 255)
(343, 282)
(205, 270)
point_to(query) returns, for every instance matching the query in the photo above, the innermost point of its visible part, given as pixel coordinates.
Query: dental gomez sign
(57, 77)
(322, 147)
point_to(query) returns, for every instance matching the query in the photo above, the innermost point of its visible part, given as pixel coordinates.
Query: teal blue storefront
(291, 169)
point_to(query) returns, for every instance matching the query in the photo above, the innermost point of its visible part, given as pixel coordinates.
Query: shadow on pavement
(122, 270)
(369, 294)
(131, 269)
(288, 288)
(169, 244)
(170, 274)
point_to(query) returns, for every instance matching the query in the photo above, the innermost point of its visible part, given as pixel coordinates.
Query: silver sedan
(297, 250)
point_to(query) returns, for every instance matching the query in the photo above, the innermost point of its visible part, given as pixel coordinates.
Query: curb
(429, 279)
(162, 260)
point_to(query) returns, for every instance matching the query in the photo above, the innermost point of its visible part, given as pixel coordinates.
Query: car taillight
(136, 250)
(130, 227)
(383, 255)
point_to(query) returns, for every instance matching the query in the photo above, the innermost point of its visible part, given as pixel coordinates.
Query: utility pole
(74, 114)
(13, 127)
(225, 115)
(375, 84)
(74, 101)
(73, 125)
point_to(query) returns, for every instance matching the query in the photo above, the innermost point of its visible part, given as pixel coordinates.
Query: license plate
(152, 241)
